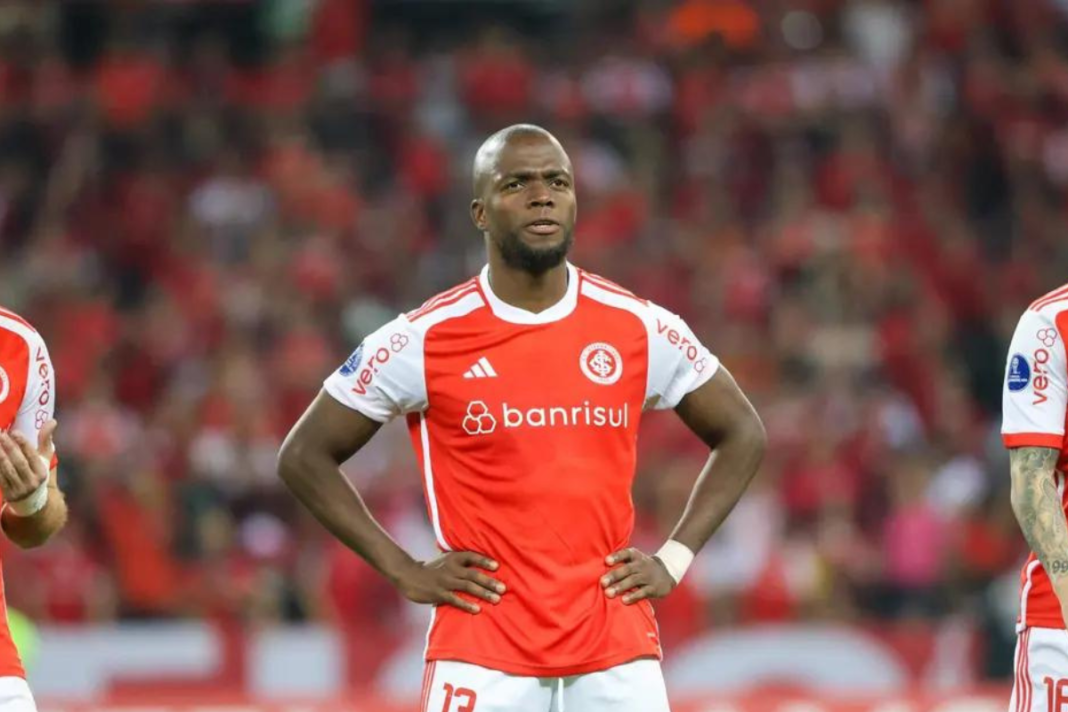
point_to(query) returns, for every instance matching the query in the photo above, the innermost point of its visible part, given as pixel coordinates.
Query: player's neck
(530, 292)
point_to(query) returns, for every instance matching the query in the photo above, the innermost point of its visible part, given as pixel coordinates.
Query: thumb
(45, 446)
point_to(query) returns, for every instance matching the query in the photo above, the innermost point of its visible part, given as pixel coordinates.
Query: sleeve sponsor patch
(352, 363)
(1019, 374)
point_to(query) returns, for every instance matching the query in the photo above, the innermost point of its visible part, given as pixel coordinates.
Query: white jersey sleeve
(39, 400)
(384, 376)
(678, 362)
(1035, 393)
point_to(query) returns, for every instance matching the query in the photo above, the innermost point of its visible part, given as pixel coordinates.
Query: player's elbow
(755, 436)
(293, 459)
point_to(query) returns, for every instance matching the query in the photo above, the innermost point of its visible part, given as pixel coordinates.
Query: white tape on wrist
(676, 557)
(28, 506)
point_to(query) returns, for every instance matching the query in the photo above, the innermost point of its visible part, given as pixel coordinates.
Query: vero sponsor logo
(688, 348)
(377, 359)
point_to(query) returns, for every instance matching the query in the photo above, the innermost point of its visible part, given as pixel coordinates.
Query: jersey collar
(515, 315)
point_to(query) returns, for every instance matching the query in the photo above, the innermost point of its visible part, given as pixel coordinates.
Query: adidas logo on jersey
(481, 369)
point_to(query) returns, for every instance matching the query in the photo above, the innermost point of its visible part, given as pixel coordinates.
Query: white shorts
(15, 695)
(636, 686)
(1041, 665)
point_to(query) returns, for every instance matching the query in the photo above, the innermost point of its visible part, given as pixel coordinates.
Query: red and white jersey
(1034, 412)
(27, 401)
(526, 428)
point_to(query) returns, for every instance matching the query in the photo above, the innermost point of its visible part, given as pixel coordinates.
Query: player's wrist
(399, 570)
(32, 503)
(676, 557)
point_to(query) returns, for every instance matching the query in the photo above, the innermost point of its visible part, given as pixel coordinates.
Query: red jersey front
(27, 401)
(1034, 410)
(526, 429)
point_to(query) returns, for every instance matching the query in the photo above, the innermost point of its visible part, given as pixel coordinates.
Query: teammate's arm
(720, 414)
(1034, 399)
(23, 469)
(1039, 510)
(309, 461)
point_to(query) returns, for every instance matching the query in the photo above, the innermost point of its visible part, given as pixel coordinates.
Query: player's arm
(309, 462)
(720, 414)
(34, 508)
(1039, 510)
(1034, 401)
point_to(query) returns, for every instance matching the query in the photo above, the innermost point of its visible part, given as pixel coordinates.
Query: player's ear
(478, 214)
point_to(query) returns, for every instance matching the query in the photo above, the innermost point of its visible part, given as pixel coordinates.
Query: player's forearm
(36, 529)
(1038, 507)
(725, 476)
(319, 484)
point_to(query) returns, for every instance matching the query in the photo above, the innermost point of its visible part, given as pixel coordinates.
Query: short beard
(521, 256)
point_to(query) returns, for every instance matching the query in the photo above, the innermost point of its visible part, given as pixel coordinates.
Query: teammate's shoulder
(452, 303)
(9, 316)
(1052, 303)
(598, 288)
(13, 324)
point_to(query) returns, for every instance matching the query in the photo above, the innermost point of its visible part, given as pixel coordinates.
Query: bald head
(524, 203)
(487, 160)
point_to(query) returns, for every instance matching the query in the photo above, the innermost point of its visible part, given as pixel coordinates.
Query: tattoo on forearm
(1057, 566)
(1038, 506)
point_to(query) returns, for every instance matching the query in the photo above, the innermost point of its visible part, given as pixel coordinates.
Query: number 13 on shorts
(440, 695)
(464, 699)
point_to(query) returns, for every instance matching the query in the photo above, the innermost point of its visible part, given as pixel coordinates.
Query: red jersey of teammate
(27, 400)
(525, 426)
(1035, 409)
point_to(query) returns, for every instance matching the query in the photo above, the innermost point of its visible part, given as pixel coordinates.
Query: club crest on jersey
(601, 363)
(5, 385)
(352, 362)
(1019, 375)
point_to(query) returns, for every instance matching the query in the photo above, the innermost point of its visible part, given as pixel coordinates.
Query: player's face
(528, 205)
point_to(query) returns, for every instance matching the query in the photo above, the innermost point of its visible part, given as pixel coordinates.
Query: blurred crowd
(205, 206)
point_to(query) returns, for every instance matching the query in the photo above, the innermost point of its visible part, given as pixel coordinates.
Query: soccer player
(1035, 405)
(34, 508)
(522, 389)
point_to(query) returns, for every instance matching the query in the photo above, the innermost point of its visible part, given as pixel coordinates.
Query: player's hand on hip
(23, 468)
(636, 576)
(440, 580)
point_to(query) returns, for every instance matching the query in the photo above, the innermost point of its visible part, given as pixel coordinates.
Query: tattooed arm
(1039, 511)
